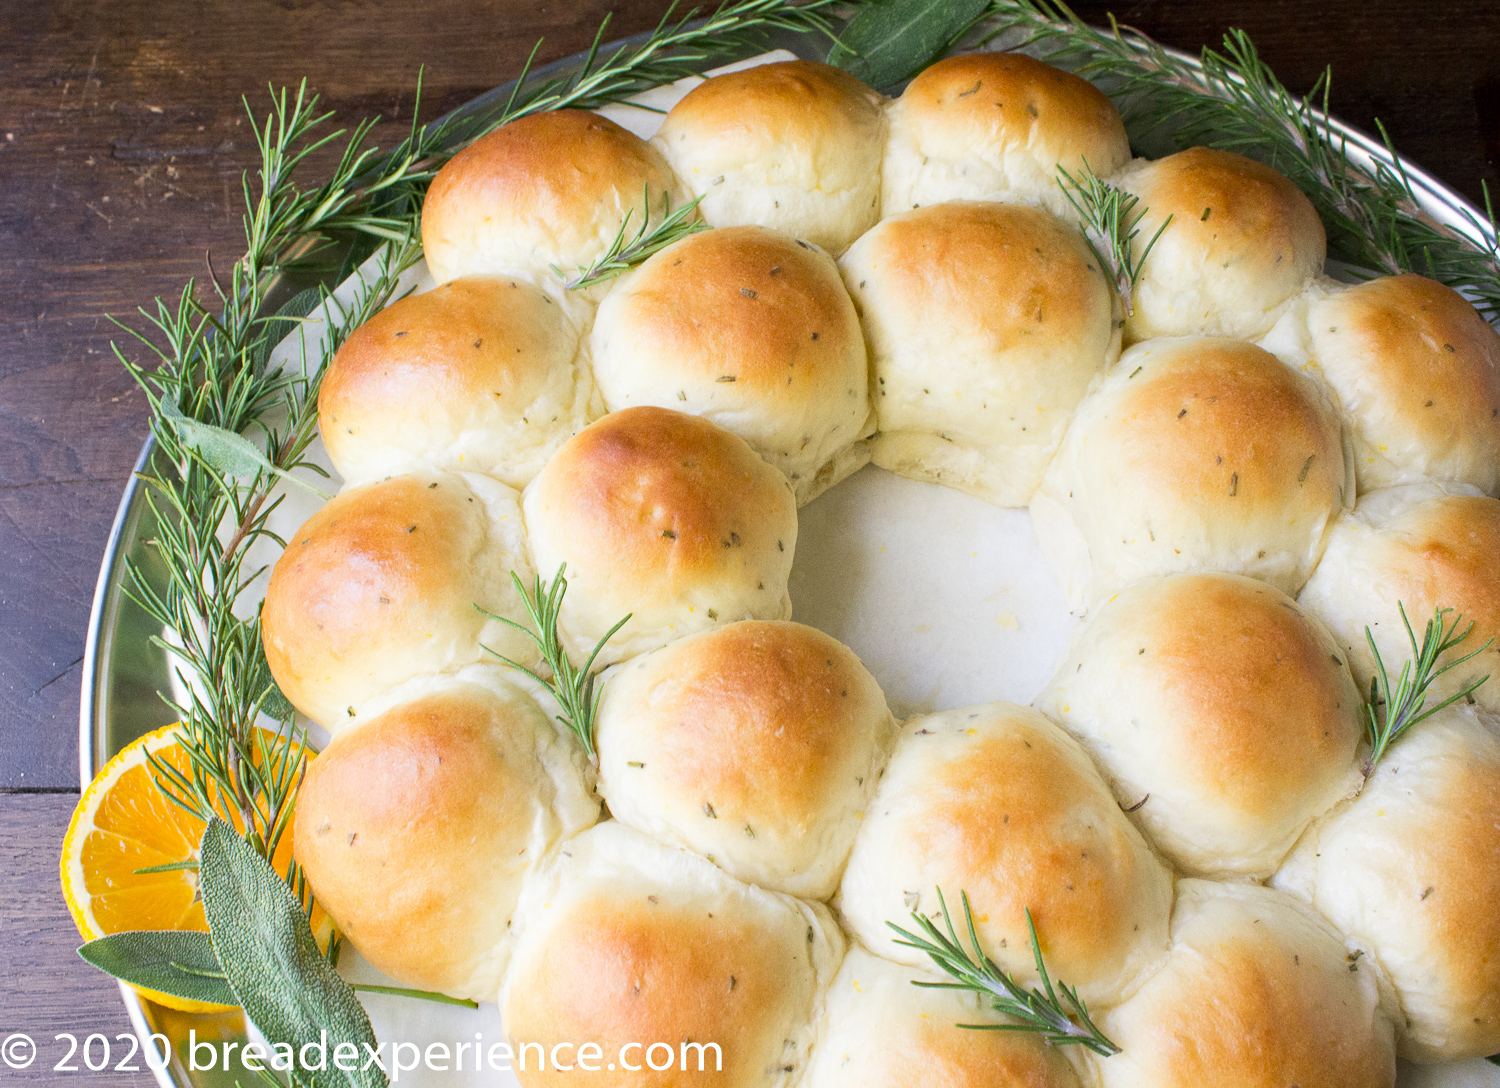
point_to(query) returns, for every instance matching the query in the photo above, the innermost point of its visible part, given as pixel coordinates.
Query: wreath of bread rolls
(1182, 813)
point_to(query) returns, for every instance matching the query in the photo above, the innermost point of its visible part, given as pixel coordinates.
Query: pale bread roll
(1223, 715)
(482, 374)
(999, 802)
(794, 145)
(1411, 870)
(665, 517)
(416, 828)
(550, 188)
(381, 585)
(1196, 453)
(758, 745)
(1243, 241)
(753, 330)
(996, 126)
(625, 940)
(1422, 546)
(880, 1031)
(986, 323)
(1258, 992)
(1418, 372)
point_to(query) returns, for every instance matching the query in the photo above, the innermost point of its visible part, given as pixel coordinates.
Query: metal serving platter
(123, 670)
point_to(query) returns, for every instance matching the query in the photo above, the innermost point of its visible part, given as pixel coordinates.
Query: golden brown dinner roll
(986, 324)
(1422, 546)
(1258, 992)
(1195, 453)
(999, 802)
(1242, 242)
(381, 585)
(416, 828)
(880, 1031)
(1411, 870)
(996, 126)
(1224, 716)
(1418, 371)
(624, 940)
(481, 375)
(666, 517)
(794, 145)
(551, 188)
(757, 744)
(751, 329)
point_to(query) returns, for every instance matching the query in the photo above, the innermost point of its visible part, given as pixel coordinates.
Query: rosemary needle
(1111, 221)
(1395, 708)
(623, 255)
(572, 687)
(1060, 1021)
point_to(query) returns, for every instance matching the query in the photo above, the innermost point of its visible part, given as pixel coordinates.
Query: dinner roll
(757, 744)
(416, 828)
(998, 802)
(1258, 992)
(482, 374)
(996, 126)
(1224, 716)
(986, 324)
(550, 188)
(794, 145)
(1418, 371)
(667, 518)
(1411, 869)
(880, 1031)
(625, 940)
(1194, 454)
(751, 329)
(1422, 547)
(1242, 242)
(381, 585)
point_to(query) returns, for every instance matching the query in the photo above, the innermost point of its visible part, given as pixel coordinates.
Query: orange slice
(124, 824)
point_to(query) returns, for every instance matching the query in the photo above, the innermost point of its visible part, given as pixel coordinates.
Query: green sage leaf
(224, 451)
(284, 322)
(276, 704)
(889, 41)
(182, 964)
(286, 986)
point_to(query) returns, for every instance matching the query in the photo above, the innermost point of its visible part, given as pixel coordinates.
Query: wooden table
(122, 141)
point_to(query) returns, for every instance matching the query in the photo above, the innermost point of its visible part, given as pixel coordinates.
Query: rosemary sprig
(625, 253)
(1235, 102)
(1060, 1022)
(572, 687)
(1111, 221)
(1395, 708)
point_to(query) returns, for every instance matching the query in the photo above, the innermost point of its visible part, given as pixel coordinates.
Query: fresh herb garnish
(572, 687)
(1111, 221)
(1059, 1021)
(1395, 708)
(624, 254)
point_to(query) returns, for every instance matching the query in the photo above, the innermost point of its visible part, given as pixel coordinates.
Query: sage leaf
(286, 986)
(284, 322)
(276, 704)
(182, 964)
(224, 451)
(889, 41)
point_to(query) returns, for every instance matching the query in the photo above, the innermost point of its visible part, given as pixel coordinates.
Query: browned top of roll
(647, 481)
(802, 105)
(475, 337)
(1011, 98)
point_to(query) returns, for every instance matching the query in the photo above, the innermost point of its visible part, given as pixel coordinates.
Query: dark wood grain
(122, 141)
